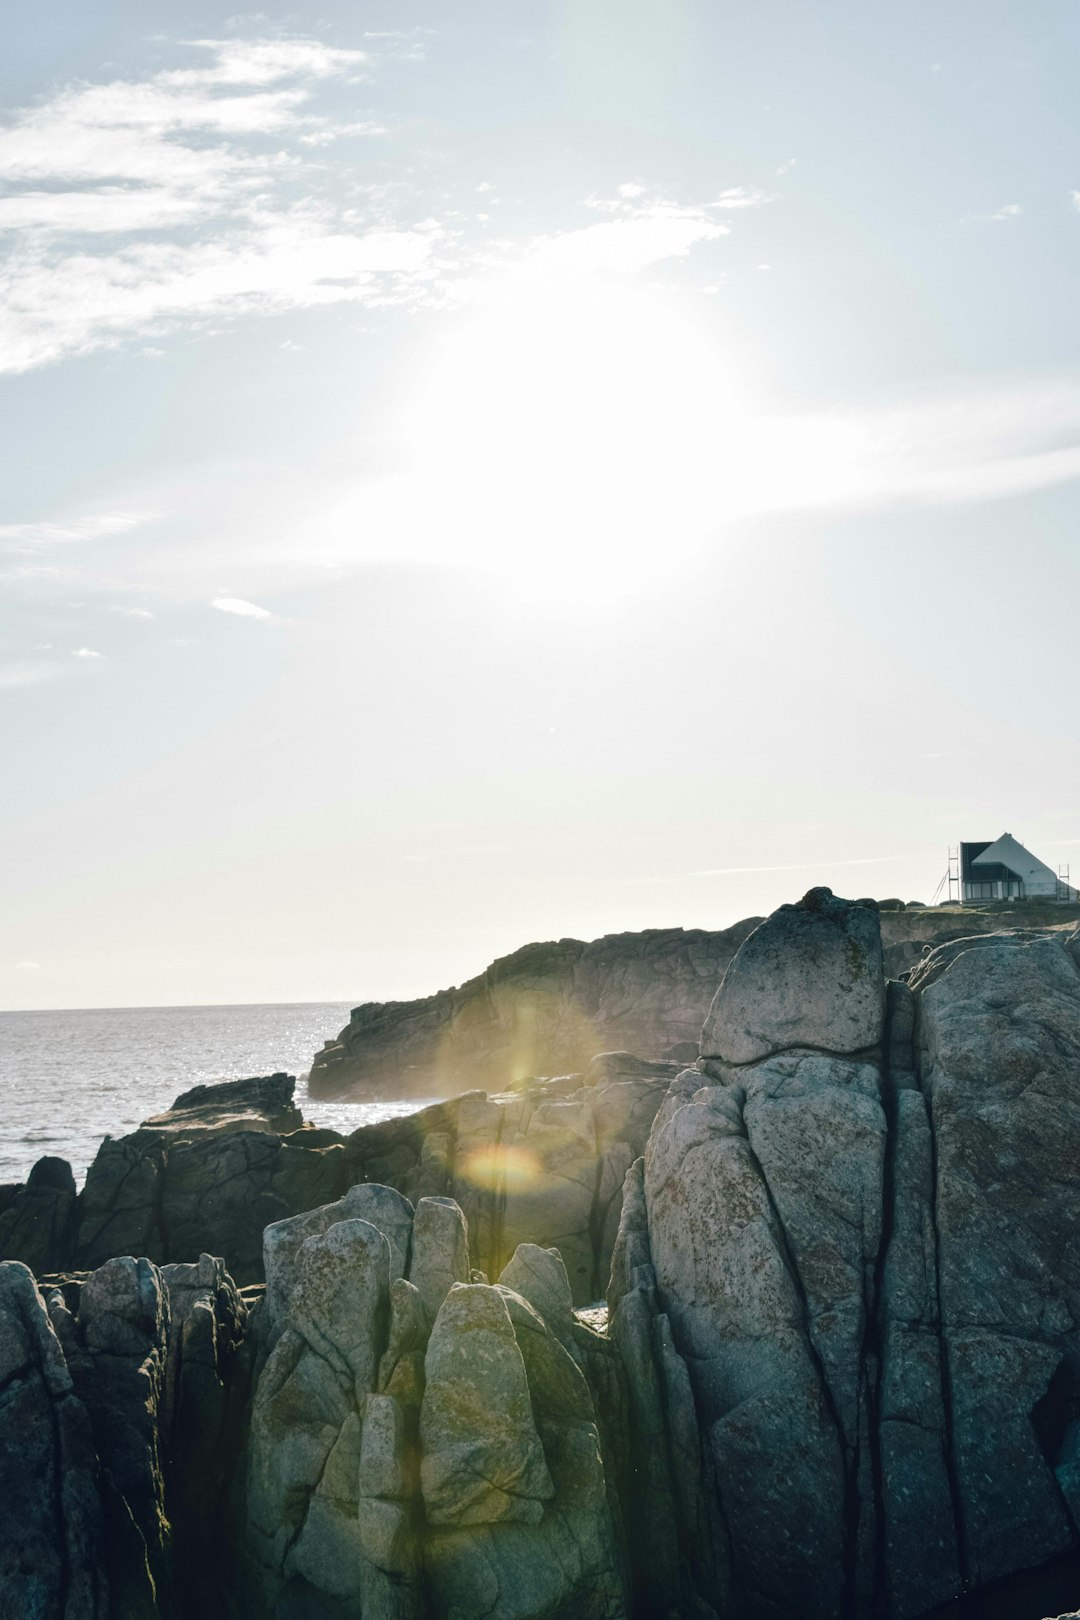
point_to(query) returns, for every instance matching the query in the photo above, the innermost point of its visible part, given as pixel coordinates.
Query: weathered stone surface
(810, 976)
(401, 1370)
(731, 1289)
(539, 1276)
(482, 1459)
(998, 1032)
(321, 1534)
(383, 1207)
(547, 1009)
(440, 1250)
(341, 1299)
(263, 1103)
(52, 1554)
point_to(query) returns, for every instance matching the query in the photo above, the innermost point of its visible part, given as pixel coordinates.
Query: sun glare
(577, 432)
(572, 427)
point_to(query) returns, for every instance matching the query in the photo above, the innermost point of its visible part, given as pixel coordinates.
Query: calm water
(69, 1078)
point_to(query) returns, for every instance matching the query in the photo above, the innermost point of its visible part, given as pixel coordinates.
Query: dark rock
(52, 1544)
(36, 1220)
(207, 1177)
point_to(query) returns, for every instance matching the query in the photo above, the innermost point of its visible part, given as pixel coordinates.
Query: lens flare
(501, 1168)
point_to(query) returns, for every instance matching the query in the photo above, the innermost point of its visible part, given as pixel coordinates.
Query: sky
(505, 471)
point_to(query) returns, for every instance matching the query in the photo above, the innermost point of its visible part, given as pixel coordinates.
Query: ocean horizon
(72, 1076)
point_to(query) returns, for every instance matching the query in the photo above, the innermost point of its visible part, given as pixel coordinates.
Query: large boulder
(998, 1035)
(866, 1247)
(36, 1219)
(482, 1458)
(810, 976)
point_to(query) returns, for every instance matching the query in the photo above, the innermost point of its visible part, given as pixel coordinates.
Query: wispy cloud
(139, 204)
(823, 864)
(91, 526)
(1009, 211)
(243, 610)
(641, 237)
(85, 652)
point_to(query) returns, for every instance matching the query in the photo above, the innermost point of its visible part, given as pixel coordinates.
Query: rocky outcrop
(420, 1444)
(546, 1009)
(838, 1374)
(37, 1218)
(52, 1555)
(863, 1254)
(543, 1163)
(115, 1425)
(208, 1176)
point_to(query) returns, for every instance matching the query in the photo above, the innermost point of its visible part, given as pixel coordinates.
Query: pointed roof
(1008, 851)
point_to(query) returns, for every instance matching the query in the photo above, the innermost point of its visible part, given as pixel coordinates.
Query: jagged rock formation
(422, 1443)
(840, 1377)
(543, 1163)
(864, 1251)
(546, 1009)
(114, 1422)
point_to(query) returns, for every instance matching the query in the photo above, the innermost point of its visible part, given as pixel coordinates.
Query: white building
(1005, 870)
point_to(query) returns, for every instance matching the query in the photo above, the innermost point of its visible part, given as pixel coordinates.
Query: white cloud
(1008, 211)
(134, 612)
(139, 205)
(237, 605)
(739, 197)
(644, 236)
(84, 652)
(268, 61)
(94, 526)
(27, 967)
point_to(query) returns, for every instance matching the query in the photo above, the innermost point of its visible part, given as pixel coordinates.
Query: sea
(67, 1079)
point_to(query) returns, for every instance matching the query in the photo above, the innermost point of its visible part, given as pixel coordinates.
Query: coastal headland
(736, 1276)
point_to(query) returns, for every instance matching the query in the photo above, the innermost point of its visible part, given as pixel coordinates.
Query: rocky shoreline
(790, 1330)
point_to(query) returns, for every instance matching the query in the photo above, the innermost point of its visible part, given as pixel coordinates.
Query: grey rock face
(482, 1457)
(810, 976)
(539, 1276)
(384, 1208)
(998, 1036)
(52, 1543)
(542, 1165)
(868, 1264)
(440, 1250)
(398, 1463)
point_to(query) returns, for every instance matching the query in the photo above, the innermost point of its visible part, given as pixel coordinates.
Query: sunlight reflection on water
(70, 1078)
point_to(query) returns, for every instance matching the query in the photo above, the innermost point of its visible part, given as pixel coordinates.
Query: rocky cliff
(548, 1008)
(837, 1375)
